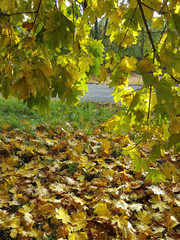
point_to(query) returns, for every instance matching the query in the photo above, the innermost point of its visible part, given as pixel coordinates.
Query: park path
(101, 93)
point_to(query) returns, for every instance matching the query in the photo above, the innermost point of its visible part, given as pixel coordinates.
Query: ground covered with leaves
(56, 184)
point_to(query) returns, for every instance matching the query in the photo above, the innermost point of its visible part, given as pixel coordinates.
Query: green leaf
(173, 140)
(155, 152)
(155, 176)
(140, 164)
(170, 171)
(134, 102)
(59, 30)
(21, 88)
(176, 19)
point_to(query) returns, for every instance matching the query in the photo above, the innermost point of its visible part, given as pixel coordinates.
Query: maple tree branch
(36, 16)
(175, 79)
(160, 12)
(37, 11)
(151, 39)
(162, 32)
(164, 6)
(146, 26)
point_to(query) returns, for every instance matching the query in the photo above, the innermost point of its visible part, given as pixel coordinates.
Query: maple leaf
(158, 203)
(63, 215)
(102, 211)
(124, 225)
(79, 220)
(145, 66)
(46, 209)
(59, 30)
(78, 236)
(155, 175)
(58, 187)
(29, 25)
(128, 64)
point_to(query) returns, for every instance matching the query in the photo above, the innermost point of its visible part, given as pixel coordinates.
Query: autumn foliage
(61, 185)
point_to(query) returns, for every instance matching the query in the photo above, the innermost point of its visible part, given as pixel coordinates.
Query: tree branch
(36, 15)
(151, 40)
(160, 12)
(146, 26)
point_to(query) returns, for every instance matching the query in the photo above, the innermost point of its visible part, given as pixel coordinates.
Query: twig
(160, 12)
(146, 26)
(149, 107)
(37, 13)
(151, 40)
(163, 6)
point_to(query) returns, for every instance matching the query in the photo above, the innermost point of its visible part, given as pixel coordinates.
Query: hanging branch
(36, 16)
(163, 6)
(146, 26)
(160, 12)
(150, 38)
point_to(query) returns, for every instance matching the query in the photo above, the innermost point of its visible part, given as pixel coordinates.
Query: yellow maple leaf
(106, 145)
(27, 208)
(76, 236)
(170, 171)
(79, 220)
(13, 233)
(124, 225)
(145, 66)
(144, 217)
(63, 215)
(103, 74)
(102, 211)
(158, 203)
(46, 209)
(128, 64)
(58, 187)
(174, 126)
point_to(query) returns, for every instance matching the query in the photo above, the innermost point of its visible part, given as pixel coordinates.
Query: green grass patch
(85, 115)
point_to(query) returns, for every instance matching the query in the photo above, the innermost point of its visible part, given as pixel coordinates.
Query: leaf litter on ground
(56, 184)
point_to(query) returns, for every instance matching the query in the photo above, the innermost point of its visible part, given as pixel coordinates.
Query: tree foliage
(46, 50)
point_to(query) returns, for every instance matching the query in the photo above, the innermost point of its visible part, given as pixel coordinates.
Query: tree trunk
(96, 29)
(105, 27)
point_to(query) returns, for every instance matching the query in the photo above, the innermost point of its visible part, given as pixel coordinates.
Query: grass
(85, 115)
